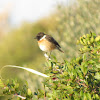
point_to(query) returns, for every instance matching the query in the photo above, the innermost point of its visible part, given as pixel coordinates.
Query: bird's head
(39, 35)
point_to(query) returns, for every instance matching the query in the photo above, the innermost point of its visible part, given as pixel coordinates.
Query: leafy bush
(66, 25)
(13, 87)
(78, 79)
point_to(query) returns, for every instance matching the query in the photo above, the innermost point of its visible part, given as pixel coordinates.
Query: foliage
(66, 25)
(78, 79)
(13, 87)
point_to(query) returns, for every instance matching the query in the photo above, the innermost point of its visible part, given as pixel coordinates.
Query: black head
(39, 35)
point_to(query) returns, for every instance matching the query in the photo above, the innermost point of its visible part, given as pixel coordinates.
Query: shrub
(78, 79)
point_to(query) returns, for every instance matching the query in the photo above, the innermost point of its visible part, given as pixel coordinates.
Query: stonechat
(47, 43)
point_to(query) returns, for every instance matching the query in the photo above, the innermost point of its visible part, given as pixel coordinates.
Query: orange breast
(48, 45)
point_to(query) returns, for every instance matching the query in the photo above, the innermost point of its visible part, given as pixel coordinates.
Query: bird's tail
(60, 50)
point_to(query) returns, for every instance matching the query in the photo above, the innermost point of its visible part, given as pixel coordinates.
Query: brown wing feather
(51, 39)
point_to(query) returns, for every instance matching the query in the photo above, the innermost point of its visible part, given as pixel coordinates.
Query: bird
(47, 43)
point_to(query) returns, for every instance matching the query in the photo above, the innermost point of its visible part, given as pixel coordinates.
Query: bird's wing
(51, 39)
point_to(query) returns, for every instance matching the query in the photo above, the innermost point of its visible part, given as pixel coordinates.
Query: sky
(28, 10)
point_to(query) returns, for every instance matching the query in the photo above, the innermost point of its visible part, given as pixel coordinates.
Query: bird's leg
(46, 56)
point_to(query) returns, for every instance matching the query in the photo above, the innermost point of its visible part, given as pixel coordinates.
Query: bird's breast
(45, 45)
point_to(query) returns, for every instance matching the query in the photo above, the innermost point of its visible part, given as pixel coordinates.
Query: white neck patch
(43, 37)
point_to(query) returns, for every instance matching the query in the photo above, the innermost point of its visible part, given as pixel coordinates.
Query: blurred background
(21, 20)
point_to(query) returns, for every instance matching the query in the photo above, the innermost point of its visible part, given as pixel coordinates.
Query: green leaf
(29, 92)
(16, 86)
(88, 35)
(69, 89)
(97, 96)
(92, 39)
(84, 57)
(97, 76)
(98, 66)
(85, 41)
(85, 96)
(89, 96)
(91, 61)
(97, 38)
(81, 93)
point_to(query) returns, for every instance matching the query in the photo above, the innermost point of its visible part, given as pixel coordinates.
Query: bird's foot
(47, 57)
